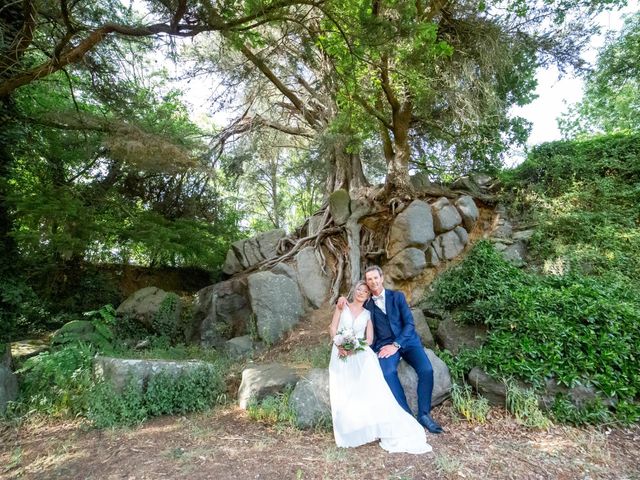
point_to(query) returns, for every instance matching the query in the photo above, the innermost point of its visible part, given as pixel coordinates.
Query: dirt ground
(225, 444)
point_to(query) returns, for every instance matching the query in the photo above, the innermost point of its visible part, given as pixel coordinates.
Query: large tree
(611, 100)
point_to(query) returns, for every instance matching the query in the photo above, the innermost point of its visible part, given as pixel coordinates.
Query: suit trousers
(417, 358)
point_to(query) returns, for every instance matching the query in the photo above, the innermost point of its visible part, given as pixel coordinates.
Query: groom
(395, 337)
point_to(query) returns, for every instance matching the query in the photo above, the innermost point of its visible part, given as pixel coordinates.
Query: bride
(362, 405)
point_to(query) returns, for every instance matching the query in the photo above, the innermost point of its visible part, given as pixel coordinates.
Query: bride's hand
(342, 301)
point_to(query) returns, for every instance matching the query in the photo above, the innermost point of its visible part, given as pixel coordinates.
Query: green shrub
(274, 409)
(483, 274)
(165, 394)
(56, 383)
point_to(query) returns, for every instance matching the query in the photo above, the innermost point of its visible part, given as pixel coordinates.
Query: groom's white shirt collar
(379, 300)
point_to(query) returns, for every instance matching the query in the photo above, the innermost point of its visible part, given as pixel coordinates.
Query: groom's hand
(387, 351)
(342, 301)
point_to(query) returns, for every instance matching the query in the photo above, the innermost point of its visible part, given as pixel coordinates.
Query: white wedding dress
(362, 405)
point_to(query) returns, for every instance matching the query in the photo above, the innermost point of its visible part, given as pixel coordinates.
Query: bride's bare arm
(369, 332)
(335, 321)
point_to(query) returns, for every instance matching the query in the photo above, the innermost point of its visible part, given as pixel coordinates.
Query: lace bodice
(357, 324)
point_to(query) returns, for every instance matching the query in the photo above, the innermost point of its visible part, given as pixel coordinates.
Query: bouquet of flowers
(347, 340)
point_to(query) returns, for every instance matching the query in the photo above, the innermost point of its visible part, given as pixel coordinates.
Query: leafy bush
(484, 274)
(274, 409)
(56, 383)
(576, 329)
(165, 394)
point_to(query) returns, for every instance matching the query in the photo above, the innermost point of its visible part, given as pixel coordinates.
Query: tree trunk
(398, 165)
(7, 244)
(345, 170)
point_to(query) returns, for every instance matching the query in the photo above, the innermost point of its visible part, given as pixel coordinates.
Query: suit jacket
(400, 318)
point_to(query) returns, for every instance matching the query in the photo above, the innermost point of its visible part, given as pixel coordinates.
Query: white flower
(338, 339)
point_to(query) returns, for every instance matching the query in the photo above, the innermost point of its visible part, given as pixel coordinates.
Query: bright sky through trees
(556, 93)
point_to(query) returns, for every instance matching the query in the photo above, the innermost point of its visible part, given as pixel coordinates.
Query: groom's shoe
(430, 424)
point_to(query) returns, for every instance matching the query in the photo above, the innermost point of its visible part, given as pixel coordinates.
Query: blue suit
(398, 322)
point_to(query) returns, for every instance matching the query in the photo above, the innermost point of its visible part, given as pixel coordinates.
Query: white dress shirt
(379, 301)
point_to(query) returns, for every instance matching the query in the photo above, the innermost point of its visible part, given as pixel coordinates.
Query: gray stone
(232, 264)
(441, 381)
(261, 381)
(468, 211)
(251, 251)
(315, 224)
(407, 264)
(285, 269)
(445, 216)
(432, 257)
(239, 347)
(144, 305)
(515, 253)
(524, 235)
(313, 282)
(454, 337)
(481, 179)
(339, 206)
(120, 371)
(268, 243)
(422, 327)
(79, 331)
(276, 303)
(420, 181)
(466, 183)
(8, 388)
(310, 399)
(413, 227)
(504, 229)
(449, 245)
(6, 359)
(494, 391)
(220, 312)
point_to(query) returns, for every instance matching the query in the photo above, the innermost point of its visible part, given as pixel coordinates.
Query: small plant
(475, 410)
(274, 410)
(523, 404)
(447, 465)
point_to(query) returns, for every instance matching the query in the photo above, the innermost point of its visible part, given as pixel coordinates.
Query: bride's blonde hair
(359, 283)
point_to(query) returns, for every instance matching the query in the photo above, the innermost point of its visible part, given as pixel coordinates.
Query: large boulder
(81, 331)
(449, 245)
(261, 381)
(453, 337)
(251, 251)
(468, 211)
(120, 371)
(239, 347)
(220, 312)
(152, 307)
(340, 206)
(441, 381)
(413, 227)
(310, 399)
(422, 328)
(407, 264)
(445, 216)
(276, 303)
(494, 391)
(314, 283)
